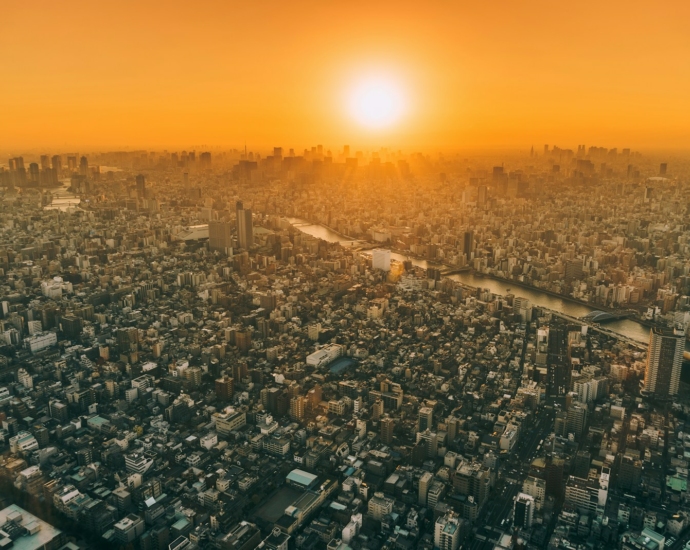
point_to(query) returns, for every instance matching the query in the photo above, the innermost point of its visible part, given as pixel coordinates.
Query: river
(62, 198)
(626, 327)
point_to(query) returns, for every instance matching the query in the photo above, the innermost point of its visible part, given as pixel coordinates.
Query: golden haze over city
(440, 75)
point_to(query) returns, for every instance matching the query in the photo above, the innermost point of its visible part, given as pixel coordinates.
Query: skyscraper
(141, 186)
(468, 244)
(664, 362)
(220, 236)
(83, 166)
(245, 227)
(56, 162)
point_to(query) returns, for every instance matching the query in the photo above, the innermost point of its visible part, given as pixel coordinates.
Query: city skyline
(345, 276)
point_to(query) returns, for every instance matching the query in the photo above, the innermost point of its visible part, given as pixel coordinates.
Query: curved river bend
(626, 327)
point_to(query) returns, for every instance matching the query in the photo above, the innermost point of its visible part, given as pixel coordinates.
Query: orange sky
(130, 74)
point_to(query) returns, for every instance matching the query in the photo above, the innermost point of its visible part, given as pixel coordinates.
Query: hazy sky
(93, 74)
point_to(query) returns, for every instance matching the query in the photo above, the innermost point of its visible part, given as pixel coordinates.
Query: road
(495, 515)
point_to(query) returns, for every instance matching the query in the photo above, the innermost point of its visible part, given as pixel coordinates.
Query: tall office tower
(278, 153)
(220, 236)
(662, 169)
(141, 186)
(56, 163)
(557, 361)
(664, 362)
(245, 227)
(205, 160)
(45, 162)
(481, 195)
(17, 163)
(447, 532)
(523, 511)
(425, 419)
(34, 173)
(381, 259)
(72, 163)
(468, 244)
(387, 427)
(83, 166)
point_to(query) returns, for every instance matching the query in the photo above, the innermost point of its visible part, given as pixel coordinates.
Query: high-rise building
(313, 331)
(225, 388)
(573, 270)
(523, 511)
(554, 477)
(588, 495)
(245, 227)
(220, 236)
(141, 186)
(536, 488)
(473, 479)
(381, 259)
(387, 427)
(576, 420)
(83, 166)
(379, 506)
(205, 159)
(377, 409)
(297, 408)
(468, 244)
(447, 532)
(581, 464)
(34, 173)
(424, 482)
(558, 363)
(56, 163)
(425, 419)
(482, 195)
(243, 340)
(429, 441)
(664, 362)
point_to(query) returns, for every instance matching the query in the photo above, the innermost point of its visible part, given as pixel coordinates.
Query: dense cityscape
(345, 349)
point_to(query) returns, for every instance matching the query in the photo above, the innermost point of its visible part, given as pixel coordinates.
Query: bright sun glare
(377, 103)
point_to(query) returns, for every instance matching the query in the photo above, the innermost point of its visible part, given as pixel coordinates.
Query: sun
(377, 102)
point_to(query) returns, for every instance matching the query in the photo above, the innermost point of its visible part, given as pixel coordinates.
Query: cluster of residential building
(181, 366)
